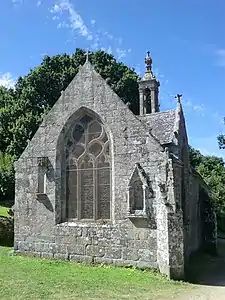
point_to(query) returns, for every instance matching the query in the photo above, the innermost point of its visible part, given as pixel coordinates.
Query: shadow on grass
(206, 269)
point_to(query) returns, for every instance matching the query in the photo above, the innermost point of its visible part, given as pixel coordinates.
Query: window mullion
(78, 193)
(95, 208)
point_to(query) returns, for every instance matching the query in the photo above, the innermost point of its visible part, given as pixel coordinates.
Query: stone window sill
(137, 214)
(41, 196)
(85, 223)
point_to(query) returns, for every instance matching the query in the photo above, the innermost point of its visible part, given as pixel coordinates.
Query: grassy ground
(34, 278)
(4, 211)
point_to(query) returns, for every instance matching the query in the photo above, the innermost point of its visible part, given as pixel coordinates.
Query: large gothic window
(88, 170)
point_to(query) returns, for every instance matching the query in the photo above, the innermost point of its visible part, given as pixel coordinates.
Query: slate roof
(161, 125)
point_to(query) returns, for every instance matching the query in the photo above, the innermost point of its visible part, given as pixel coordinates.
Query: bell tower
(148, 89)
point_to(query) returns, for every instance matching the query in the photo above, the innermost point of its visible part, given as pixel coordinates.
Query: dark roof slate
(161, 125)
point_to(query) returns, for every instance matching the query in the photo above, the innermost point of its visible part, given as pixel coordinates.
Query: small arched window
(88, 170)
(138, 192)
(148, 100)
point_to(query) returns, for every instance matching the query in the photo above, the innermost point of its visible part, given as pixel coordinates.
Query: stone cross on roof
(87, 55)
(178, 97)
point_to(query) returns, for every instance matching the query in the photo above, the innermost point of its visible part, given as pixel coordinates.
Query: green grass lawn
(34, 278)
(4, 211)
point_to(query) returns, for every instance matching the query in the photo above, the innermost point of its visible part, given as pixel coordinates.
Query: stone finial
(148, 75)
(87, 56)
(148, 62)
(178, 97)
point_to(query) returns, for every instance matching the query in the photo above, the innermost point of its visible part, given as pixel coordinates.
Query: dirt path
(204, 293)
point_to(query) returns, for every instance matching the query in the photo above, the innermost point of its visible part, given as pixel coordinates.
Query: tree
(212, 170)
(221, 141)
(6, 177)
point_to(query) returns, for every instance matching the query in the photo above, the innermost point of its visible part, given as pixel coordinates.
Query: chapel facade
(99, 184)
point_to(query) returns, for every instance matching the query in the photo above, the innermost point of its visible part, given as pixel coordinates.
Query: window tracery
(88, 170)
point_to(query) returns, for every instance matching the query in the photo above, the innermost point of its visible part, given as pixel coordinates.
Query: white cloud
(75, 20)
(39, 3)
(64, 11)
(18, 2)
(199, 108)
(109, 50)
(63, 25)
(55, 18)
(220, 56)
(122, 52)
(56, 9)
(7, 80)
(108, 35)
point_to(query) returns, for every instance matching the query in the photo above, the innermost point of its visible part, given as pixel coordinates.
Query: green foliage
(221, 141)
(212, 169)
(6, 176)
(3, 211)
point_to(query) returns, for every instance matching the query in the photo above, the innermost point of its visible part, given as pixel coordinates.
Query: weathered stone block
(76, 249)
(103, 260)
(81, 258)
(47, 255)
(64, 256)
(130, 254)
(84, 241)
(146, 255)
(113, 252)
(146, 264)
(94, 251)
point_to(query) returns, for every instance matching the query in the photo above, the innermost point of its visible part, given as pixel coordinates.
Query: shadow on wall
(205, 269)
(43, 198)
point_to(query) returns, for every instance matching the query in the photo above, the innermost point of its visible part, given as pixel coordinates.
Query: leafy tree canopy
(212, 170)
(221, 141)
(6, 176)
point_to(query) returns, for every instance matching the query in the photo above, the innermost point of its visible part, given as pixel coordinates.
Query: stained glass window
(88, 170)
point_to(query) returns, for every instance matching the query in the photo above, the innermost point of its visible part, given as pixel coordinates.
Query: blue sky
(186, 40)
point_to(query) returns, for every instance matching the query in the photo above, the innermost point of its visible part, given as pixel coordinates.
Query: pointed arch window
(88, 170)
(147, 101)
(138, 193)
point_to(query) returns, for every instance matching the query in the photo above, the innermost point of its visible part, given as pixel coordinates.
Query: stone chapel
(99, 184)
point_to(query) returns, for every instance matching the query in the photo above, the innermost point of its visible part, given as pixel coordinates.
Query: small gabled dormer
(138, 193)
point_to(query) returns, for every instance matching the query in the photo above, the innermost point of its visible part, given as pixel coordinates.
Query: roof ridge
(160, 112)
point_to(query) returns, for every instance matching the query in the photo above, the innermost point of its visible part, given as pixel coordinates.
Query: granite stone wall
(122, 244)
(40, 221)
